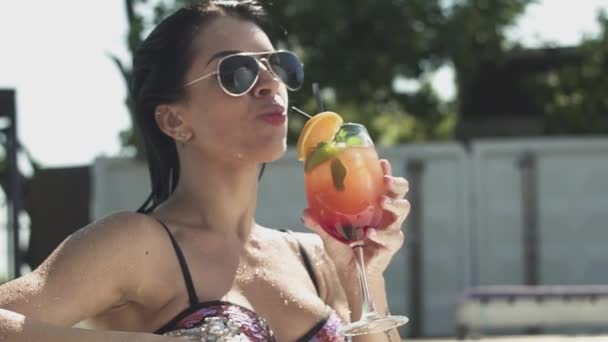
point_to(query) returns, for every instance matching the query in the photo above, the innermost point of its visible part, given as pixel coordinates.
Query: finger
(395, 213)
(390, 239)
(311, 223)
(387, 169)
(397, 186)
(398, 207)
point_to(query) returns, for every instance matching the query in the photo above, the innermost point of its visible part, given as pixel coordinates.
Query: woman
(193, 262)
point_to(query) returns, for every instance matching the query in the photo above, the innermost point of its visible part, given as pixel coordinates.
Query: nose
(268, 84)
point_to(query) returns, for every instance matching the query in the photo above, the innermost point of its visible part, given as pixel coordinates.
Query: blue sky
(70, 95)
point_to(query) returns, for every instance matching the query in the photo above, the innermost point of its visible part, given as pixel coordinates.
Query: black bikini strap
(307, 263)
(183, 265)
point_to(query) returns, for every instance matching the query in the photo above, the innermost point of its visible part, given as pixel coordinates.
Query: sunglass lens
(238, 73)
(288, 68)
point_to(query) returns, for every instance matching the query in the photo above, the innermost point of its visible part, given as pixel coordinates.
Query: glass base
(373, 323)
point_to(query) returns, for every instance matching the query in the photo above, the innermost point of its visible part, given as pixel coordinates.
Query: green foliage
(475, 32)
(355, 49)
(574, 97)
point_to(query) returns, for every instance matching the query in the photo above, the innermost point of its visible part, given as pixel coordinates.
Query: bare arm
(15, 327)
(82, 278)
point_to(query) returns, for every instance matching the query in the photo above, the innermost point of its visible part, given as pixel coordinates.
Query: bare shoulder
(119, 224)
(122, 244)
(91, 271)
(130, 225)
(310, 242)
(109, 241)
(119, 231)
(330, 288)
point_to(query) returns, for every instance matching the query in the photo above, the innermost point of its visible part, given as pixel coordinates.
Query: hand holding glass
(344, 183)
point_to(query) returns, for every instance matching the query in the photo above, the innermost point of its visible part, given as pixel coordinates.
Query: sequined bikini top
(224, 321)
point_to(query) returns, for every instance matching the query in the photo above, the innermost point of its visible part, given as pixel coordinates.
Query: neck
(218, 196)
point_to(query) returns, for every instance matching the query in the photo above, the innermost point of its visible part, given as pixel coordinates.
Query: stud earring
(184, 136)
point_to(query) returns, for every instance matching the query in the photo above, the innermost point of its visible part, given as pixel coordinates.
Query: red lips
(275, 116)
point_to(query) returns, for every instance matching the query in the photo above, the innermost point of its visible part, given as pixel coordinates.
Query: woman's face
(251, 127)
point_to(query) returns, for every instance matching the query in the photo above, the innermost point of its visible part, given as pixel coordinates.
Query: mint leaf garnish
(323, 152)
(338, 173)
(351, 134)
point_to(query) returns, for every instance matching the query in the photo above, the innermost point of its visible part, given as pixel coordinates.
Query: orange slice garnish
(320, 128)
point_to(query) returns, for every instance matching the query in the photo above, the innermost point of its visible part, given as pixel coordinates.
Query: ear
(172, 123)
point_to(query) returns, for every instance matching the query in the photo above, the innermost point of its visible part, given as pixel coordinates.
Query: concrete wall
(471, 214)
(573, 210)
(444, 214)
(118, 184)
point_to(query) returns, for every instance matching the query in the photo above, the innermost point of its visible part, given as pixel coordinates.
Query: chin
(272, 152)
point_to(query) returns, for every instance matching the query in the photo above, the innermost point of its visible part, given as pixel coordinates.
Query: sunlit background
(71, 96)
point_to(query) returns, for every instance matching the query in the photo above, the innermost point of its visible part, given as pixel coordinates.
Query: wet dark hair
(160, 64)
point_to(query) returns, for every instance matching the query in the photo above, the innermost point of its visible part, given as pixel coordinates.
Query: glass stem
(367, 304)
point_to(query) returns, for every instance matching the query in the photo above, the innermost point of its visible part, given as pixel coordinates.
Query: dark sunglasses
(238, 73)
